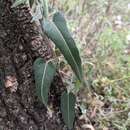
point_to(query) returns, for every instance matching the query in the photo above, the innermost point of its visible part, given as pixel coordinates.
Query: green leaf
(44, 73)
(18, 2)
(60, 22)
(56, 36)
(68, 108)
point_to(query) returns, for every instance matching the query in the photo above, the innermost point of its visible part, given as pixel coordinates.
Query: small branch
(116, 80)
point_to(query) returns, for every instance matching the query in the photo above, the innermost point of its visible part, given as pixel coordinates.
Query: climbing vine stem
(45, 2)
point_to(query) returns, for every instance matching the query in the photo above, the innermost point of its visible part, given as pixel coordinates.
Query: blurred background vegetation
(101, 29)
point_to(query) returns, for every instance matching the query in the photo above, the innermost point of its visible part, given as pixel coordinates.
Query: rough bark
(20, 44)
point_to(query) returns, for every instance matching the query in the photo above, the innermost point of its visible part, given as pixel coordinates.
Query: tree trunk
(20, 44)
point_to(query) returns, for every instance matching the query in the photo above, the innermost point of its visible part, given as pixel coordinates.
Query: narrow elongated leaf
(55, 35)
(68, 108)
(18, 2)
(44, 73)
(60, 22)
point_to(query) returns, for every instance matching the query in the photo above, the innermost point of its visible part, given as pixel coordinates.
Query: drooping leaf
(18, 2)
(60, 22)
(55, 35)
(68, 108)
(44, 73)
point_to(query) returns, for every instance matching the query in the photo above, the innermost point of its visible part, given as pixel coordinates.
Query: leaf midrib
(44, 72)
(68, 48)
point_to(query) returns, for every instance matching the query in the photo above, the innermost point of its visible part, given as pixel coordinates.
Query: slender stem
(46, 8)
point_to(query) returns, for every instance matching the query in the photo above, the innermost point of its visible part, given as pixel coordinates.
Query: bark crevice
(20, 44)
